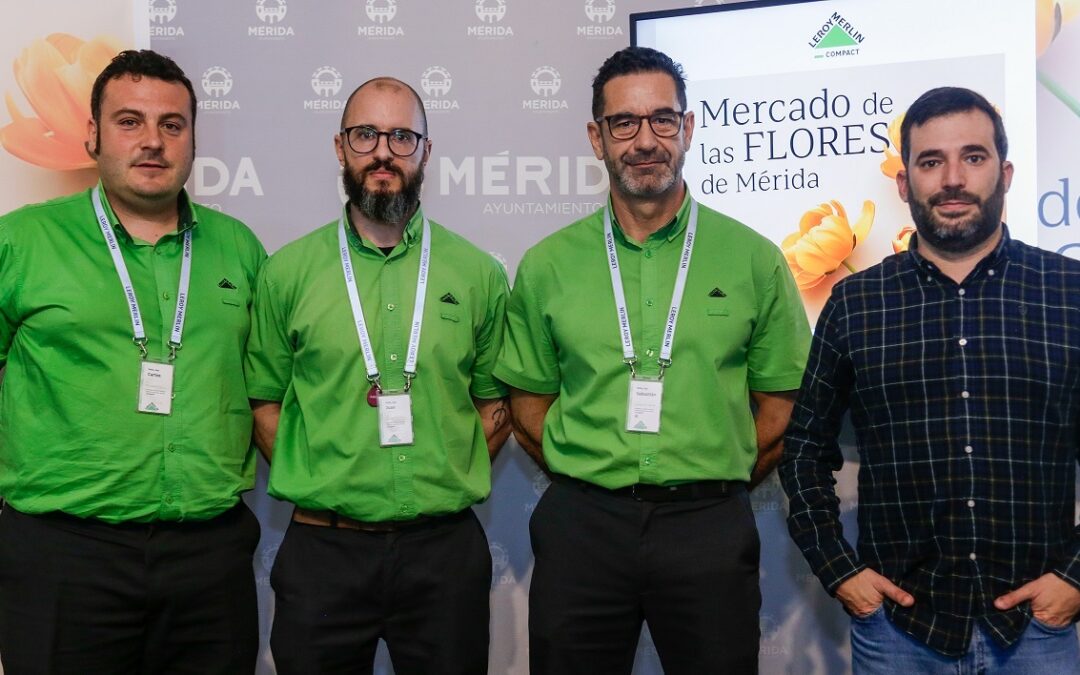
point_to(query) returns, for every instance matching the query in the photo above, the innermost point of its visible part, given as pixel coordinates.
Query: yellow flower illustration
(902, 239)
(1050, 16)
(55, 75)
(824, 241)
(893, 164)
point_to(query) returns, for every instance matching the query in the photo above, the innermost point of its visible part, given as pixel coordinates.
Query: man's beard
(390, 207)
(958, 237)
(650, 185)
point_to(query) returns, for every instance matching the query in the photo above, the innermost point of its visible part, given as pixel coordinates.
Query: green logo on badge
(151, 407)
(836, 37)
(640, 425)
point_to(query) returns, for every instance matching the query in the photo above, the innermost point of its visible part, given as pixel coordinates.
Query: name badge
(395, 419)
(155, 388)
(643, 406)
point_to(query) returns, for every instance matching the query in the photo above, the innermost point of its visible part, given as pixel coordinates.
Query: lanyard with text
(155, 378)
(646, 395)
(395, 408)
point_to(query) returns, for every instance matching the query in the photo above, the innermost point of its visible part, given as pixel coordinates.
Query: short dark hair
(138, 64)
(636, 60)
(947, 101)
(384, 83)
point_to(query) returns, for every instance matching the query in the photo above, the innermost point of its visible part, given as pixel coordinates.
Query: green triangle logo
(640, 425)
(151, 406)
(836, 37)
(394, 438)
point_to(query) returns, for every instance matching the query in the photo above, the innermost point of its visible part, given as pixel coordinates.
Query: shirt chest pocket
(232, 298)
(717, 312)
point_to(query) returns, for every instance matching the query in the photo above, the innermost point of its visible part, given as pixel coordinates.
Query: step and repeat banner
(506, 86)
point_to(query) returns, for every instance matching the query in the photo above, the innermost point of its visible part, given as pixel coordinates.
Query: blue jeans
(880, 648)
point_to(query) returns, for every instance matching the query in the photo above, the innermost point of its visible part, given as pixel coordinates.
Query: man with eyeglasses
(646, 429)
(370, 360)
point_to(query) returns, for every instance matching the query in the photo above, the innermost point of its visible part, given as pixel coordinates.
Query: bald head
(385, 84)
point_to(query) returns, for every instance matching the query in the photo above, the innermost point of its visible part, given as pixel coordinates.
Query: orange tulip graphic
(824, 241)
(55, 75)
(902, 239)
(893, 164)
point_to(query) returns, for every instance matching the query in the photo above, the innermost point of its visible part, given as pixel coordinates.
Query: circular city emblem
(267, 556)
(326, 81)
(381, 11)
(436, 81)
(769, 627)
(216, 81)
(500, 557)
(270, 11)
(545, 81)
(540, 483)
(600, 11)
(162, 11)
(500, 258)
(490, 11)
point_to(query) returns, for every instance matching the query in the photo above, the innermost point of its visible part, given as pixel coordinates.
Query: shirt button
(962, 341)
(649, 352)
(168, 500)
(172, 447)
(648, 303)
(971, 503)
(962, 292)
(390, 306)
(165, 295)
(971, 556)
(968, 449)
(648, 460)
(964, 394)
(404, 509)
(401, 458)
(648, 254)
(393, 357)
(990, 272)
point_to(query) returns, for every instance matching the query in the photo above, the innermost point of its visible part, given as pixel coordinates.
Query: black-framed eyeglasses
(623, 127)
(363, 139)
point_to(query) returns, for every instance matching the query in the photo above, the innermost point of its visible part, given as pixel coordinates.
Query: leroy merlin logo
(836, 37)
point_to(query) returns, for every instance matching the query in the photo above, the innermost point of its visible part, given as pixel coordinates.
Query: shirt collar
(995, 259)
(669, 232)
(409, 237)
(187, 218)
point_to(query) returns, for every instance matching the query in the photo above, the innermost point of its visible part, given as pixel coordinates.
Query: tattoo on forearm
(500, 416)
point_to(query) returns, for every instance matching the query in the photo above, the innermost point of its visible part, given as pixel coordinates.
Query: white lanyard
(629, 356)
(129, 289)
(358, 311)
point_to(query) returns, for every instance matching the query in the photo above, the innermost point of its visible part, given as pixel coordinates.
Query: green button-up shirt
(741, 327)
(304, 352)
(70, 437)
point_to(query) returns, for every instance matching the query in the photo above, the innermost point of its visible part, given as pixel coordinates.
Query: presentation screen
(798, 108)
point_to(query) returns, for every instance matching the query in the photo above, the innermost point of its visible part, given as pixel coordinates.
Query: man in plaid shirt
(960, 362)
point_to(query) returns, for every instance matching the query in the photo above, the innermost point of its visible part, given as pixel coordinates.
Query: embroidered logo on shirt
(449, 299)
(225, 283)
(717, 293)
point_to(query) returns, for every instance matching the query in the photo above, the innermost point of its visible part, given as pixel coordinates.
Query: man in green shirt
(371, 352)
(125, 430)
(636, 340)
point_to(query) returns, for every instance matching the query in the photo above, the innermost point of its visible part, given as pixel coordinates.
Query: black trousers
(424, 590)
(82, 596)
(605, 563)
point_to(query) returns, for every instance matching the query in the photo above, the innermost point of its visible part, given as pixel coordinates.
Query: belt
(338, 521)
(645, 492)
